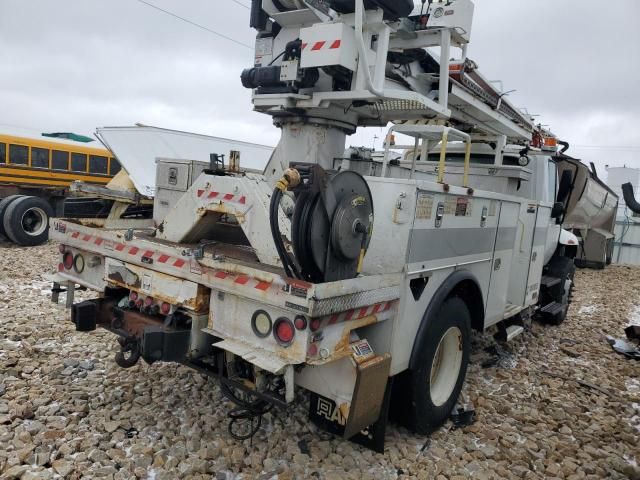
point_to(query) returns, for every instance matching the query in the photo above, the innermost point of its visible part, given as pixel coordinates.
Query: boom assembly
(353, 276)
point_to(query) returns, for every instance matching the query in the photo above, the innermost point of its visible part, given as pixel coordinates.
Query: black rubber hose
(629, 198)
(275, 231)
(565, 146)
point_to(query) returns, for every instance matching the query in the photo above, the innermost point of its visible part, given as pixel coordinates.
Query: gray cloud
(79, 64)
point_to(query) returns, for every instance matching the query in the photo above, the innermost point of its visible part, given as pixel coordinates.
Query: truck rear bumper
(155, 340)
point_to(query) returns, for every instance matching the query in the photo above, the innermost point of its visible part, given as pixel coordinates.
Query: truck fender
(468, 285)
(568, 238)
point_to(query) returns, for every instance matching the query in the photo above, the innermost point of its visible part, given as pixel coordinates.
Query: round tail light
(67, 260)
(284, 331)
(133, 296)
(60, 267)
(165, 308)
(315, 324)
(300, 322)
(148, 302)
(261, 324)
(139, 303)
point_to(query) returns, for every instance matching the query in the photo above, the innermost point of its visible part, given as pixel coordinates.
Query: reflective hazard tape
(226, 197)
(358, 313)
(243, 280)
(323, 44)
(162, 258)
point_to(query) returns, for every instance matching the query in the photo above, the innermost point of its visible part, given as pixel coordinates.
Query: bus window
(60, 160)
(18, 154)
(114, 167)
(98, 164)
(3, 153)
(78, 162)
(39, 157)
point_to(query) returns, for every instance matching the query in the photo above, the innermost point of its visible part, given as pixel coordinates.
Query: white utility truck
(354, 278)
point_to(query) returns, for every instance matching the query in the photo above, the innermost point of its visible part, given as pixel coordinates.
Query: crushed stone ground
(560, 403)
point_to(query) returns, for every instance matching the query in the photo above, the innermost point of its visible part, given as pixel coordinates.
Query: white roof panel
(138, 147)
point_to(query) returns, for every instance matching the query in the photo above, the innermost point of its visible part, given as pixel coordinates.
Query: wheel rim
(445, 368)
(34, 221)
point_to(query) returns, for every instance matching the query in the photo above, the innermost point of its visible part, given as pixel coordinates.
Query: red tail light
(300, 322)
(67, 260)
(284, 331)
(60, 267)
(148, 302)
(133, 296)
(315, 324)
(165, 308)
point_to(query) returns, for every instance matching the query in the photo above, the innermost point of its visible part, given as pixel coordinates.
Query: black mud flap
(366, 421)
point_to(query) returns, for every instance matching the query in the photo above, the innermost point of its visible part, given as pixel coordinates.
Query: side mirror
(557, 210)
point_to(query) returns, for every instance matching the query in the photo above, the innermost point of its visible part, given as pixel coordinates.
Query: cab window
(19, 154)
(59, 160)
(98, 164)
(39, 157)
(78, 162)
(3, 153)
(114, 167)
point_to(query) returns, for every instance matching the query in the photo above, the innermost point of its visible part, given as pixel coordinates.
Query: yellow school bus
(36, 171)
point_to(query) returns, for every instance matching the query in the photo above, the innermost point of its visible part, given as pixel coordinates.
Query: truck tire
(4, 203)
(26, 221)
(565, 269)
(434, 386)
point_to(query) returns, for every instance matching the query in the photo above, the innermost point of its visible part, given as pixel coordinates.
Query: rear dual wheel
(4, 203)
(25, 220)
(427, 394)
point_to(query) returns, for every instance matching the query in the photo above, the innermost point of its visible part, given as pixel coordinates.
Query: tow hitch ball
(129, 353)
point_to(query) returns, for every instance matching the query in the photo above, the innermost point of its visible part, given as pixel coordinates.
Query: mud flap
(366, 419)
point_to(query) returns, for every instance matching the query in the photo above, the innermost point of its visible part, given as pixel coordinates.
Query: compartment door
(508, 214)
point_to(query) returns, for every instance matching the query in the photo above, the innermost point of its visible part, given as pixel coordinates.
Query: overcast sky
(75, 65)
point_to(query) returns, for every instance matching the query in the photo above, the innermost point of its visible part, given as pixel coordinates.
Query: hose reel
(331, 225)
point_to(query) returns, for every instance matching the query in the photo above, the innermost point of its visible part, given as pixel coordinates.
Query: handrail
(364, 62)
(443, 156)
(426, 133)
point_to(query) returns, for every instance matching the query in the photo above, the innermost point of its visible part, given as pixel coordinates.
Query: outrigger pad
(161, 344)
(84, 314)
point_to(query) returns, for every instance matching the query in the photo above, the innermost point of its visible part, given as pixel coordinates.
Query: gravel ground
(559, 404)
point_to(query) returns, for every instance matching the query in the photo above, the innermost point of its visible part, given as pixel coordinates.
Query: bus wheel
(4, 203)
(437, 381)
(26, 221)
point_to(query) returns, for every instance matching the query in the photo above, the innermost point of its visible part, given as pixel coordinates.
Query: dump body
(591, 208)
